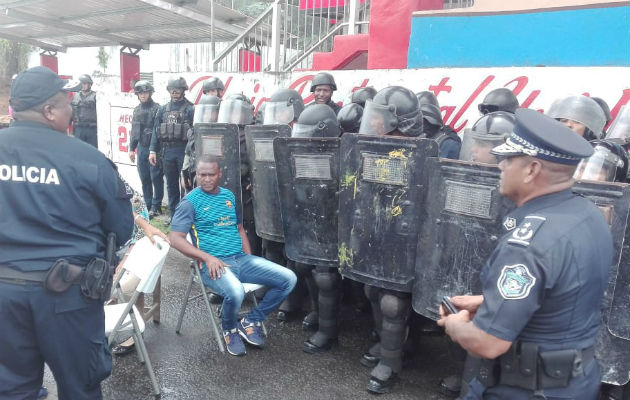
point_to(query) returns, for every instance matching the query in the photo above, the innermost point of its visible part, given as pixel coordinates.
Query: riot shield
(221, 141)
(381, 193)
(308, 184)
(464, 220)
(613, 348)
(259, 139)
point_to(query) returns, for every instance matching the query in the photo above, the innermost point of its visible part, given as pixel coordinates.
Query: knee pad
(394, 307)
(327, 281)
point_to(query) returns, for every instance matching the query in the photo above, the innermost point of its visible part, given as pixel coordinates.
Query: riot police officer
(393, 111)
(323, 86)
(580, 113)
(488, 132)
(283, 107)
(447, 139)
(349, 117)
(609, 163)
(64, 198)
(151, 177)
(213, 86)
(500, 99)
(538, 317)
(170, 135)
(84, 112)
(363, 94)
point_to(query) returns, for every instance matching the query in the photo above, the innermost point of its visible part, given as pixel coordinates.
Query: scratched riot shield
(308, 185)
(613, 347)
(464, 220)
(262, 164)
(381, 194)
(221, 141)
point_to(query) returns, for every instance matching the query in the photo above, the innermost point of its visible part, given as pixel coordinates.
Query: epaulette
(524, 233)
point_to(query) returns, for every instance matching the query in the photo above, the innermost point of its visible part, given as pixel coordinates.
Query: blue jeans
(173, 159)
(152, 179)
(249, 269)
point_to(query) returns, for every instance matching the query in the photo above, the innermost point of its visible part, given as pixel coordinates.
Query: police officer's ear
(532, 167)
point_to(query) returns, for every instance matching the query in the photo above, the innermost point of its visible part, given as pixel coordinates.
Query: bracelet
(136, 217)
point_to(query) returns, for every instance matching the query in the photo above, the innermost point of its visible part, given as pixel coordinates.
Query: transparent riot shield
(221, 141)
(613, 347)
(262, 164)
(308, 185)
(463, 222)
(381, 194)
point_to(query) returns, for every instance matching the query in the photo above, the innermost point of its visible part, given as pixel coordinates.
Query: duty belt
(12, 275)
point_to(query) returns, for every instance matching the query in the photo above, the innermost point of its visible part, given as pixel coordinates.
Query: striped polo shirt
(211, 220)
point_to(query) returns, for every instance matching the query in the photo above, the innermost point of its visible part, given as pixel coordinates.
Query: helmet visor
(601, 166)
(378, 119)
(206, 113)
(302, 130)
(579, 109)
(477, 148)
(278, 113)
(620, 128)
(235, 112)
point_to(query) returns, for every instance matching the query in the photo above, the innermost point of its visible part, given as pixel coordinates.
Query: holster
(62, 275)
(518, 366)
(97, 280)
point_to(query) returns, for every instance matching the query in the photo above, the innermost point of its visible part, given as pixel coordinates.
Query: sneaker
(234, 343)
(252, 332)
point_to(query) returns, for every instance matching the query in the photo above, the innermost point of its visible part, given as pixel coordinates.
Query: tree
(13, 57)
(103, 58)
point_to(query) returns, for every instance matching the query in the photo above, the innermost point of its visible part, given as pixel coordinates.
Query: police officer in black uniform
(449, 143)
(539, 314)
(152, 177)
(213, 86)
(323, 86)
(61, 198)
(84, 112)
(170, 135)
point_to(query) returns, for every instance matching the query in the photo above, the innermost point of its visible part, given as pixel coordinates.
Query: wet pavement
(189, 365)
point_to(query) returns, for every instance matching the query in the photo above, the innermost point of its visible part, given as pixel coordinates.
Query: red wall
(390, 28)
(49, 61)
(129, 69)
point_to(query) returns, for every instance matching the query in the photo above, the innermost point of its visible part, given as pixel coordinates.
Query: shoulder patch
(524, 233)
(515, 282)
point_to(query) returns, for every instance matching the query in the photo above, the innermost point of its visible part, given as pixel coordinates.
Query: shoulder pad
(524, 233)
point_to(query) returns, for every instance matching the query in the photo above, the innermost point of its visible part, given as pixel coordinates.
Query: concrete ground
(190, 366)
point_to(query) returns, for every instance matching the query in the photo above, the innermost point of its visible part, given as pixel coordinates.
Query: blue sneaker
(234, 343)
(252, 332)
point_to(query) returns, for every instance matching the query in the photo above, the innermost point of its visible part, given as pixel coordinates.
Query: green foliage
(13, 57)
(103, 58)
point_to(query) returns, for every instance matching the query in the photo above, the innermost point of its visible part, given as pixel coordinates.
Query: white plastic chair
(144, 261)
(214, 314)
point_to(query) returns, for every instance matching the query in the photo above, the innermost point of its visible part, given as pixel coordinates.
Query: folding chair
(145, 261)
(214, 314)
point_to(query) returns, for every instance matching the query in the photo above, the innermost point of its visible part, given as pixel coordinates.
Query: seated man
(209, 214)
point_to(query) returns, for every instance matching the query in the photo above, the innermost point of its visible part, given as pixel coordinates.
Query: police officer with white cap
(532, 331)
(60, 199)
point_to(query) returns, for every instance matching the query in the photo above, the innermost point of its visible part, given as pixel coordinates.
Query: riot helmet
(176, 83)
(580, 109)
(500, 99)
(349, 117)
(604, 107)
(323, 78)
(394, 108)
(236, 109)
(143, 87)
(213, 83)
(619, 130)
(207, 110)
(284, 107)
(427, 97)
(361, 95)
(609, 163)
(317, 120)
(489, 131)
(85, 78)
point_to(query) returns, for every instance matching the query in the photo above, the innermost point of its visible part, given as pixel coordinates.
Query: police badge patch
(515, 282)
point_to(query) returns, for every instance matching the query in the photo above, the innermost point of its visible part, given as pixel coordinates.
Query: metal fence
(285, 36)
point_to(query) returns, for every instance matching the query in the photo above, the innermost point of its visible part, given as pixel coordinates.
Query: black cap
(543, 137)
(36, 85)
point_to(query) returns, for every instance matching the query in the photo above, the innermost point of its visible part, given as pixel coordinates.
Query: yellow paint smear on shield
(345, 255)
(400, 153)
(396, 211)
